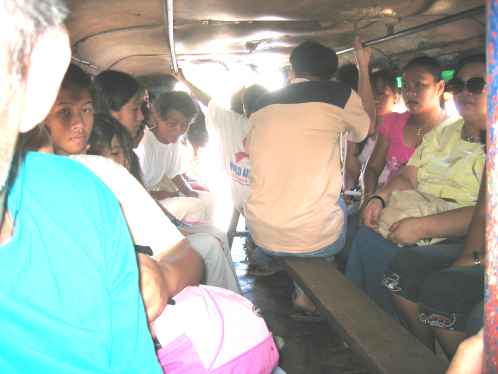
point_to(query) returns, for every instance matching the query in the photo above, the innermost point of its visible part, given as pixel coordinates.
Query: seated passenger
(160, 155)
(120, 95)
(435, 289)
(70, 301)
(232, 128)
(295, 208)
(244, 341)
(349, 75)
(190, 317)
(401, 133)
(438, 290)
(446, 170)
(386, 95)
(69, 133)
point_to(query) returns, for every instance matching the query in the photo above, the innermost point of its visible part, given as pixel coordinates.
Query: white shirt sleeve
(148, 224)
(230, 126)
(174, 159)
(224, 120)
(356, 119)
(147, 155)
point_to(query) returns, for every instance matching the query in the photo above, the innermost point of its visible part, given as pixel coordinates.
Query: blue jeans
(370, 255)
(265, 257)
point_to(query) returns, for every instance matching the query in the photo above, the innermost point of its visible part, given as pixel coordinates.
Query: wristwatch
(476, 258)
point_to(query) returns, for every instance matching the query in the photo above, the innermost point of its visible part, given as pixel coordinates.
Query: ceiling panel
(126, 33)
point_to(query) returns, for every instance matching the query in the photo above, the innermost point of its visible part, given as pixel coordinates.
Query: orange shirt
(296, 178)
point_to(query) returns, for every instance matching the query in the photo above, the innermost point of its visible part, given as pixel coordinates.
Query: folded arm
(166, 274)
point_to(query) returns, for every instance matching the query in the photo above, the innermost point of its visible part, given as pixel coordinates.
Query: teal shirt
(69, 295)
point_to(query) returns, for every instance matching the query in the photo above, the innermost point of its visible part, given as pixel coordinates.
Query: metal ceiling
(132, 35)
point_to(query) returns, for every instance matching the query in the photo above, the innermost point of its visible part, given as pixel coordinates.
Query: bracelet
(476, 258)
(382, 201)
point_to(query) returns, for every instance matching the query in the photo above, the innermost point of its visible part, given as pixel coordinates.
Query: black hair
(175, 100)
(348, 74)
(250, 97)
(197, 133)
(105, 128)
(479, 58)
(388, 78)
(430, 64)
(114, 89)
(236, 102)
(314, 59)
(34, 139)
(76, 79)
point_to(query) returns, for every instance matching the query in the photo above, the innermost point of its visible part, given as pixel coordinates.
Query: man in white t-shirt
(232, 128)
(160, 155)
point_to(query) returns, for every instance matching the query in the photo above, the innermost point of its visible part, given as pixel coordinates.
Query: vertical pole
(168, 16)
(491, 291)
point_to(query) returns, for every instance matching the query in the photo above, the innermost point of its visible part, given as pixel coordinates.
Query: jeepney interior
(223, 45)
(152, 37)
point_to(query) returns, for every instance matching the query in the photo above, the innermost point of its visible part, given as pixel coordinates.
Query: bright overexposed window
(221, 81)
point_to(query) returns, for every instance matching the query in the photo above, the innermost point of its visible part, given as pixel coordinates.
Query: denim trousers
(370, 255)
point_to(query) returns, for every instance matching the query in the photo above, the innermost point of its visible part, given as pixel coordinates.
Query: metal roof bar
(423, 27)
(168, 25)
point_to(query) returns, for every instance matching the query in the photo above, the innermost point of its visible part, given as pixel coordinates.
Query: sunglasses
(474, 85)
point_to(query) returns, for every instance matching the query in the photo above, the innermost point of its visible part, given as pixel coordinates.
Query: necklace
(469, 138)
(420, 132)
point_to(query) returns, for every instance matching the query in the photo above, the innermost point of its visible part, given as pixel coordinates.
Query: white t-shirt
(158, 160)
(232, 128)
(148, 224)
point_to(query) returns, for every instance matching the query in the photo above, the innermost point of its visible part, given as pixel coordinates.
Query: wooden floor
(309, 348)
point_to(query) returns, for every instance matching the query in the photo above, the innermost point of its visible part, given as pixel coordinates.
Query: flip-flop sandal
(305, 316)
(262, 271)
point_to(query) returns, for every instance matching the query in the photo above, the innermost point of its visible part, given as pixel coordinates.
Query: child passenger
(69, 135)
(120, 95)
(199, 312)
(182, 327)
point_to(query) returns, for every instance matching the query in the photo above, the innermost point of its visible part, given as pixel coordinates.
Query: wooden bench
(383, 344)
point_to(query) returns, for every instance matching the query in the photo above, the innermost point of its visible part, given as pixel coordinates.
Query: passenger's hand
(153, 287)
(467, 259)
(371, 213)
(469, 356)
(161, 195)
(363, 54)
(407, 231)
